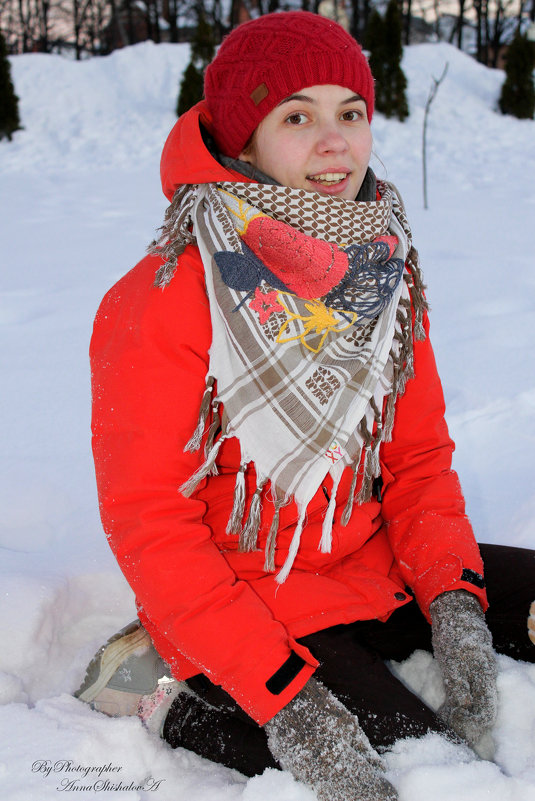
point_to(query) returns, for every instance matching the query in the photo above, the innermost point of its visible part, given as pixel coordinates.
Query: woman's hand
(321, 743)
(463, 648)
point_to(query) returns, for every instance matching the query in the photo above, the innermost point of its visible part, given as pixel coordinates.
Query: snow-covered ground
(79, 201)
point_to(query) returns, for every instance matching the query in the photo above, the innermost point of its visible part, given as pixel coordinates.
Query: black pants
(351, 658)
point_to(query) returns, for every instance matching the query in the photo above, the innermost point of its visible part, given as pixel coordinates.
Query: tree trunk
(486, 42)
(460, 25)
(496, 39)
(130, 33)
(366, 11)
(355, 19)
(24, 22)
(408, 22)
(44, 8)
(482, 17)
(156, 30)
(171, 18)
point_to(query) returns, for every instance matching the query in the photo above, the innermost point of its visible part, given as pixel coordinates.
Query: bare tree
(27, 24)
(406, 9)
(460, 24)
(482, 30)
(431, 96)
(503, 26)
(152, 14)
(496, 23)
(80, 11)
(98, 17)
(33, 25)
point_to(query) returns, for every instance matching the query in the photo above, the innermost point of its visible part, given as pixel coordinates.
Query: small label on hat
(259, 94)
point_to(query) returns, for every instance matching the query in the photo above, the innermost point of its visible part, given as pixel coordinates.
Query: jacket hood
(185, 157)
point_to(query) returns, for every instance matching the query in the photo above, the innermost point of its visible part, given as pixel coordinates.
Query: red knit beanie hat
(267, 59)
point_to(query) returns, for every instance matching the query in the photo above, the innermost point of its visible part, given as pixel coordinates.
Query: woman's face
(318, 139)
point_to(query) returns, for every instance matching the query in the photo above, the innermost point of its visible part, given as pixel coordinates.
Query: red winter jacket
(208, 607)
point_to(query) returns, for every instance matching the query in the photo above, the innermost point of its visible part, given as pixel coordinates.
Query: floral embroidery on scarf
(319, 322)
(265, 303)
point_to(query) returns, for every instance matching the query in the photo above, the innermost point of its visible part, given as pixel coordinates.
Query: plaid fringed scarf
(310, 300)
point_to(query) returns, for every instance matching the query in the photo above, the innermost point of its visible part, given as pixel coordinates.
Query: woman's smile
(333, 181)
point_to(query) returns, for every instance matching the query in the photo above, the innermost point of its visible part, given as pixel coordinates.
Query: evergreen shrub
(383, 40)
(9, 102)
(202, 53)
(518, 92)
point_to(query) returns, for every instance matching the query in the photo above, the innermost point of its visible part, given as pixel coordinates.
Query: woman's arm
(149, 357)
(423, 504)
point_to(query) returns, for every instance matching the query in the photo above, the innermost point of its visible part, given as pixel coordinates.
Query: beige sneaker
(531, 623)
(127, 676)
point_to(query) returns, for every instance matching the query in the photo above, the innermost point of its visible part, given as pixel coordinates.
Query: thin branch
(432, 94)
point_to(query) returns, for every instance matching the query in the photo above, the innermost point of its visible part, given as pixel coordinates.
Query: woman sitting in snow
(273, 464)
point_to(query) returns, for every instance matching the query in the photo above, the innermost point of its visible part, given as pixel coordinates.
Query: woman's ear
(247, 155)
(248, 152)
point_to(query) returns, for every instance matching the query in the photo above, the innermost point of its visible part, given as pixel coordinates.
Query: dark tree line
(92, 27)
(97, 27)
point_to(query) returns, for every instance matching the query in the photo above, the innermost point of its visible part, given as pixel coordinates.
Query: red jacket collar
(185, 157)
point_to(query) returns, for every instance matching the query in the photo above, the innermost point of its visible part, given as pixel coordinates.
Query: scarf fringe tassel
(249, 535)
(174, 234)
(194, 442)
(235, 520)
(214, 428)
(348, 511)
(327, 527)
(189, 486)
(271, 542)
(284, 572)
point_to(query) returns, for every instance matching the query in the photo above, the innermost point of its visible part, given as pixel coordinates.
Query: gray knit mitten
(463, 648)
(320, 743)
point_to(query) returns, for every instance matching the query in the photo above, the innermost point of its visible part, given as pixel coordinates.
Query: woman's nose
(331, 139)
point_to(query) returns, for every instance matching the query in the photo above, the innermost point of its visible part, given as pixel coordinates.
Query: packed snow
(80, 199)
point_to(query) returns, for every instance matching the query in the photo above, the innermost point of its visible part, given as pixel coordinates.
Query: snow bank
(96, 113)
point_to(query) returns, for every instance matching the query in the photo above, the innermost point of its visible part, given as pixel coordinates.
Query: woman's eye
(351, 116)
(297, 118)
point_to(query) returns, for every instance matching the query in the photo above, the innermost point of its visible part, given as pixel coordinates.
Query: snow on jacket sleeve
(149, 355)
(423, 504)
